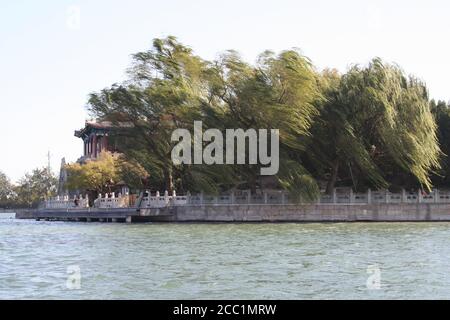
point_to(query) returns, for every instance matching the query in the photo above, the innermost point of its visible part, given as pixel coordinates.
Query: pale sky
(50, 60)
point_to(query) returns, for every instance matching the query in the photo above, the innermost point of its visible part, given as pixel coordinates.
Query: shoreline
(253, 213)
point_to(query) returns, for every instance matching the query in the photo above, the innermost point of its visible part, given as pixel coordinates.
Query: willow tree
(441, 112)
(170, 87)
(166, 88)
(160, 82)
(377, 115)
(279, 92)
(368, 124)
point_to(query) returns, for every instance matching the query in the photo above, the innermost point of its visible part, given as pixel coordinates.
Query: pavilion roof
(101, 125)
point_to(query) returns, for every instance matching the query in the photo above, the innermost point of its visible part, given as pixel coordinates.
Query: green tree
(35, 187)
(170, 87)
(103, 174)
(279, 92)
(6, 190)
(377, 124)
(441, 112)
(371, 127)
(164, 83)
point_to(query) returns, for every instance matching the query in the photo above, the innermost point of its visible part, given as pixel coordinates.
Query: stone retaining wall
(260, 213)
(313, 213)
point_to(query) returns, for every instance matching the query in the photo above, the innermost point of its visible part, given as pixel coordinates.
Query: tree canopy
(103, 174)
(372, 126)
(34, 187)
(376, 126)
(6, 190)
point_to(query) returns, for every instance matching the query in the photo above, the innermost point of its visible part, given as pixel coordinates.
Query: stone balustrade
(338, 196)
(65, 202)
(111, 201)
(158, 201)
(384, 196)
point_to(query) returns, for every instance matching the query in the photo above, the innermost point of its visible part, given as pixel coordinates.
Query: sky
(54, 53)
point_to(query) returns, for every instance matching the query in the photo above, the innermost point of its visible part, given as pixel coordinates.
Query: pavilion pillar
(105, 142)
(99, 144)
(94, 146)
(89, 147)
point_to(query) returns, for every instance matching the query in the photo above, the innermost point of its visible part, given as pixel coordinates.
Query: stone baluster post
(166, 197)
(188, 197)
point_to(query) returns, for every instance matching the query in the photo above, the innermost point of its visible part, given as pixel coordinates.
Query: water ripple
(223, 261)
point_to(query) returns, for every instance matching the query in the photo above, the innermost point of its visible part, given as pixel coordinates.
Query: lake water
(56, 260)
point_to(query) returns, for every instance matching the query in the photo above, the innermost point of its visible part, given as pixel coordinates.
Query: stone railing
(111, 201)
(158, 201)
(65, 202)
(338, 196)
(384, 196)
(240, 197)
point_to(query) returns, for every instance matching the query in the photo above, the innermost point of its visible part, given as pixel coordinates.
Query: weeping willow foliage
(279, 92)
(169, 87)
(377, 111)
(414, 144)
(165, 91)
(327, 122)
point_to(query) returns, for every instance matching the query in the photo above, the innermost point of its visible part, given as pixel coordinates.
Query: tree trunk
(169, 180)
(252, 181)
(333, 177)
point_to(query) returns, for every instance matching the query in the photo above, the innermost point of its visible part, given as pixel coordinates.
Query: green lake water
(39, 260)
